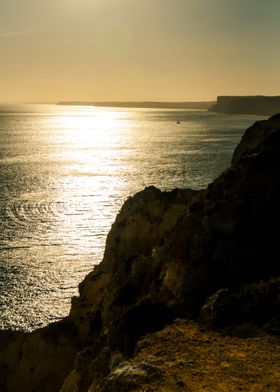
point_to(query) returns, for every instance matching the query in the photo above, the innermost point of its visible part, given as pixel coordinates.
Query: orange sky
(99, 50)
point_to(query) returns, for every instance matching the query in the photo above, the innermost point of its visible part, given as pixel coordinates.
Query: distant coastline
(144, 104)
(257, 105)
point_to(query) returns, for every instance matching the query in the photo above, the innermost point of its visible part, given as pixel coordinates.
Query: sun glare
(84, 136)
(88, 124)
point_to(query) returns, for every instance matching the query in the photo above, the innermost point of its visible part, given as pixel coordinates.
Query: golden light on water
(87, 145)
(65, 173)
(88, 133)
(89, 125)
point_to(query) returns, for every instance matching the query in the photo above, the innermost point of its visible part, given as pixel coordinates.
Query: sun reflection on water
(65, 173)
(88, 138)
(60, 229)
(89, 144)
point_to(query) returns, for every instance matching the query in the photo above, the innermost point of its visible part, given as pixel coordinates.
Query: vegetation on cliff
(185, 357)
(208, 255)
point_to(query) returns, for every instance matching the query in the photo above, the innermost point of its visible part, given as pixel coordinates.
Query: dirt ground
(184, 357)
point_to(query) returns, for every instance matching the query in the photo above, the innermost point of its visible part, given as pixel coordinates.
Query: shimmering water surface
(65, 172)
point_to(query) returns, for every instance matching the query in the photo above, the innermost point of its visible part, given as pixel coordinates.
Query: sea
(65, 172)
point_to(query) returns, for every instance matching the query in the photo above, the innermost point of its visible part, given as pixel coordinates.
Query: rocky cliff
(258, 105)
(188, 254)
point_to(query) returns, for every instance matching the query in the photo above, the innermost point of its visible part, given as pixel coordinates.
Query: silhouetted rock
(259, 105)
(37, 361)
(166, 253)
(256, 304)
(262, 135)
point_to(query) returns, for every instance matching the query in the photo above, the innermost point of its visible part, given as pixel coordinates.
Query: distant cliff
(258, 105)
(144, 104)
(209, 254)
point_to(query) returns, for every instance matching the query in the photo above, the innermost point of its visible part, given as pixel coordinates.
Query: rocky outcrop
(256, 137)
(166, 253)
(258, 105)
(253, 305)
(38, 361)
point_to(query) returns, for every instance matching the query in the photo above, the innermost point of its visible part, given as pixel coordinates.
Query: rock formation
(258, 105)
(166, 254)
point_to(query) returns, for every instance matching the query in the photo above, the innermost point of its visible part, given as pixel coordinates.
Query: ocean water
(65, 172)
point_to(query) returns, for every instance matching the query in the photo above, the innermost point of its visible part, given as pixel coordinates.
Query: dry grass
(192, 360)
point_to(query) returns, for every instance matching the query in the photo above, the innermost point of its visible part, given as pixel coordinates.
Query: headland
(258, 105)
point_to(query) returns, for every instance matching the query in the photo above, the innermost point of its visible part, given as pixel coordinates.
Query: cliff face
(258, 105)
(166, 253)
(37, 361)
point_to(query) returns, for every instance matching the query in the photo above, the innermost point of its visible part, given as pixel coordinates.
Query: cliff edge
(208, 255)
(256, 105)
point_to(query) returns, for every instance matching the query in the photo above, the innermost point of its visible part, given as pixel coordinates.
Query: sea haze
(65, 172)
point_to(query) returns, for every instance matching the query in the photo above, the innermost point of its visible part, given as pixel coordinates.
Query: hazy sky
(55, 50)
